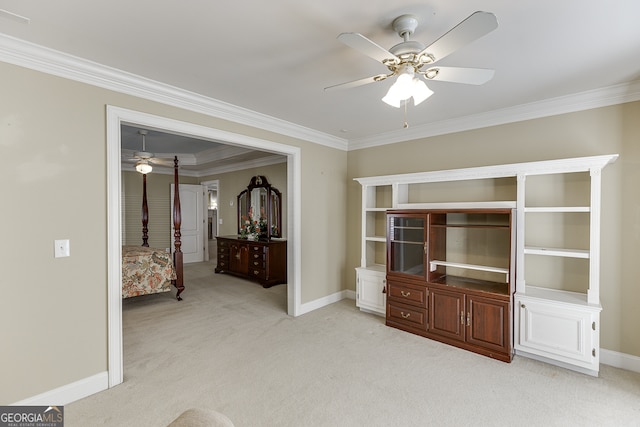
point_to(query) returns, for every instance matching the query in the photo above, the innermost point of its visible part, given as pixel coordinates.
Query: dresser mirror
(261, 201)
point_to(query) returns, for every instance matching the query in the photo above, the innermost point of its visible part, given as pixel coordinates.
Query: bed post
(145, 213)
(177, 222)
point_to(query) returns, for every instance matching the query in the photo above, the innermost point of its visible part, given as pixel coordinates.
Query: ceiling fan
(144, 159)
(409, 59)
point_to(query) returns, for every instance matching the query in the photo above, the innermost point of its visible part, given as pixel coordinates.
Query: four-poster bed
(146, 270)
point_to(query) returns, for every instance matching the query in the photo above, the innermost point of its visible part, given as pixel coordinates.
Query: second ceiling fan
(409, 59)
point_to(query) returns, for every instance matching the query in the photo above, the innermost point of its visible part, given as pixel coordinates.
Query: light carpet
(229, 346)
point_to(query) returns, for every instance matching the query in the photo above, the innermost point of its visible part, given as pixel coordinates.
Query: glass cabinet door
(407, 244)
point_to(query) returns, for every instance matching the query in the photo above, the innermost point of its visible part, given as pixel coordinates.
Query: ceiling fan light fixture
(143, 167)
(407, 85)
(420, 91)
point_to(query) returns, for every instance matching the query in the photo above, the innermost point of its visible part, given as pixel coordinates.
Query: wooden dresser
(264, 262)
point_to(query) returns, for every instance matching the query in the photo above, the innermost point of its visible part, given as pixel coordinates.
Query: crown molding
(231, 167)
(603, 97)
(29, 55)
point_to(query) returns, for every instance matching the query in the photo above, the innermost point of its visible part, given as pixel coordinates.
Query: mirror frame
(273, 208)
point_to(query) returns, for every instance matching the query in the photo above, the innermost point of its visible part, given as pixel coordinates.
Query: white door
(192, 229)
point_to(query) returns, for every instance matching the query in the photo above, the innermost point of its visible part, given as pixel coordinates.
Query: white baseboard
(324, 301)
(620, 360)
(70, 392)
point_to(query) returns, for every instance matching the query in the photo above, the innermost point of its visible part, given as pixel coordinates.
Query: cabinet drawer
(258, 273)
(407, 294)
(255, 248)
(408, 315)
(257, 263)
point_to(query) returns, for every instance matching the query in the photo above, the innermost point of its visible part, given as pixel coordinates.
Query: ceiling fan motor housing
(405, 25)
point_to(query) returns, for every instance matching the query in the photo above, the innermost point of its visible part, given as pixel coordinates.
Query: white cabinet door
(562, 332)
(370, 288)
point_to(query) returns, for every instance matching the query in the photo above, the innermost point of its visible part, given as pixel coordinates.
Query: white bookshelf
(551, 323)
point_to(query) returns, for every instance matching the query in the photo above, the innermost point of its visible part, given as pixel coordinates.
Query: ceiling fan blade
(161, 162)
(359, 82)
(470, 76)
(366, 46)
(475, 26)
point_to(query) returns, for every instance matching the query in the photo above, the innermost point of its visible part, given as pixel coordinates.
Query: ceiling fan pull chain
(406, 124)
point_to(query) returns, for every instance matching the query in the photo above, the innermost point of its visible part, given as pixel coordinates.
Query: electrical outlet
(61, 248)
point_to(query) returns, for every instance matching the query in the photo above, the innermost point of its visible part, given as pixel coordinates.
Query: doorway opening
(115, 118)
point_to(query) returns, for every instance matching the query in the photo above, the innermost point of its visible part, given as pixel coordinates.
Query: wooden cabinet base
(458, 317)
(264, 262)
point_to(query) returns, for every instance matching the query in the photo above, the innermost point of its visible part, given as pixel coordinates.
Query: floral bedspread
(146, 271)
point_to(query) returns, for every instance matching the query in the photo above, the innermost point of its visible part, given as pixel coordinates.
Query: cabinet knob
(523, 306)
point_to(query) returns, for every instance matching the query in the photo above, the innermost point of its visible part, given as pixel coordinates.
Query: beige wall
(599, 131)
(53, 186)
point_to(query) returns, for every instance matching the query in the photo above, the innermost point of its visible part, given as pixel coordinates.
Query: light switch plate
(61, 248)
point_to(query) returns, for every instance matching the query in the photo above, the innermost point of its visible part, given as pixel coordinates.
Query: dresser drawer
(257, 263)
(407, 294)
(405, 314)
(223, 262)
(257, 248)
(257, 272)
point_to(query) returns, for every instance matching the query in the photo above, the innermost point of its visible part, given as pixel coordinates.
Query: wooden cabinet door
(447, 314)
(488, 323)
(239, 258)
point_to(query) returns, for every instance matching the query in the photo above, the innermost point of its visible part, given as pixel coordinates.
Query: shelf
(561, 209)
(557, 296)
(473, 284)
(409, 242)
(567, 253)
(377, 209)
(459, 205)
(433, 265)
(381, 239)
(488, 226)
(380, 268)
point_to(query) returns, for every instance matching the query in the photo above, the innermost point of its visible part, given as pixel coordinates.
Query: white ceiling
(276, 57)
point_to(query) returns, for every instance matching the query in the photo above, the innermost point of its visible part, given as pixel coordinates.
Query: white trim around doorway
(116, 116)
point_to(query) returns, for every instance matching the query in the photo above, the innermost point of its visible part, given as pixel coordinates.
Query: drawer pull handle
(256, 272)
(405, 316)
(462, 317)
(405, 294)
